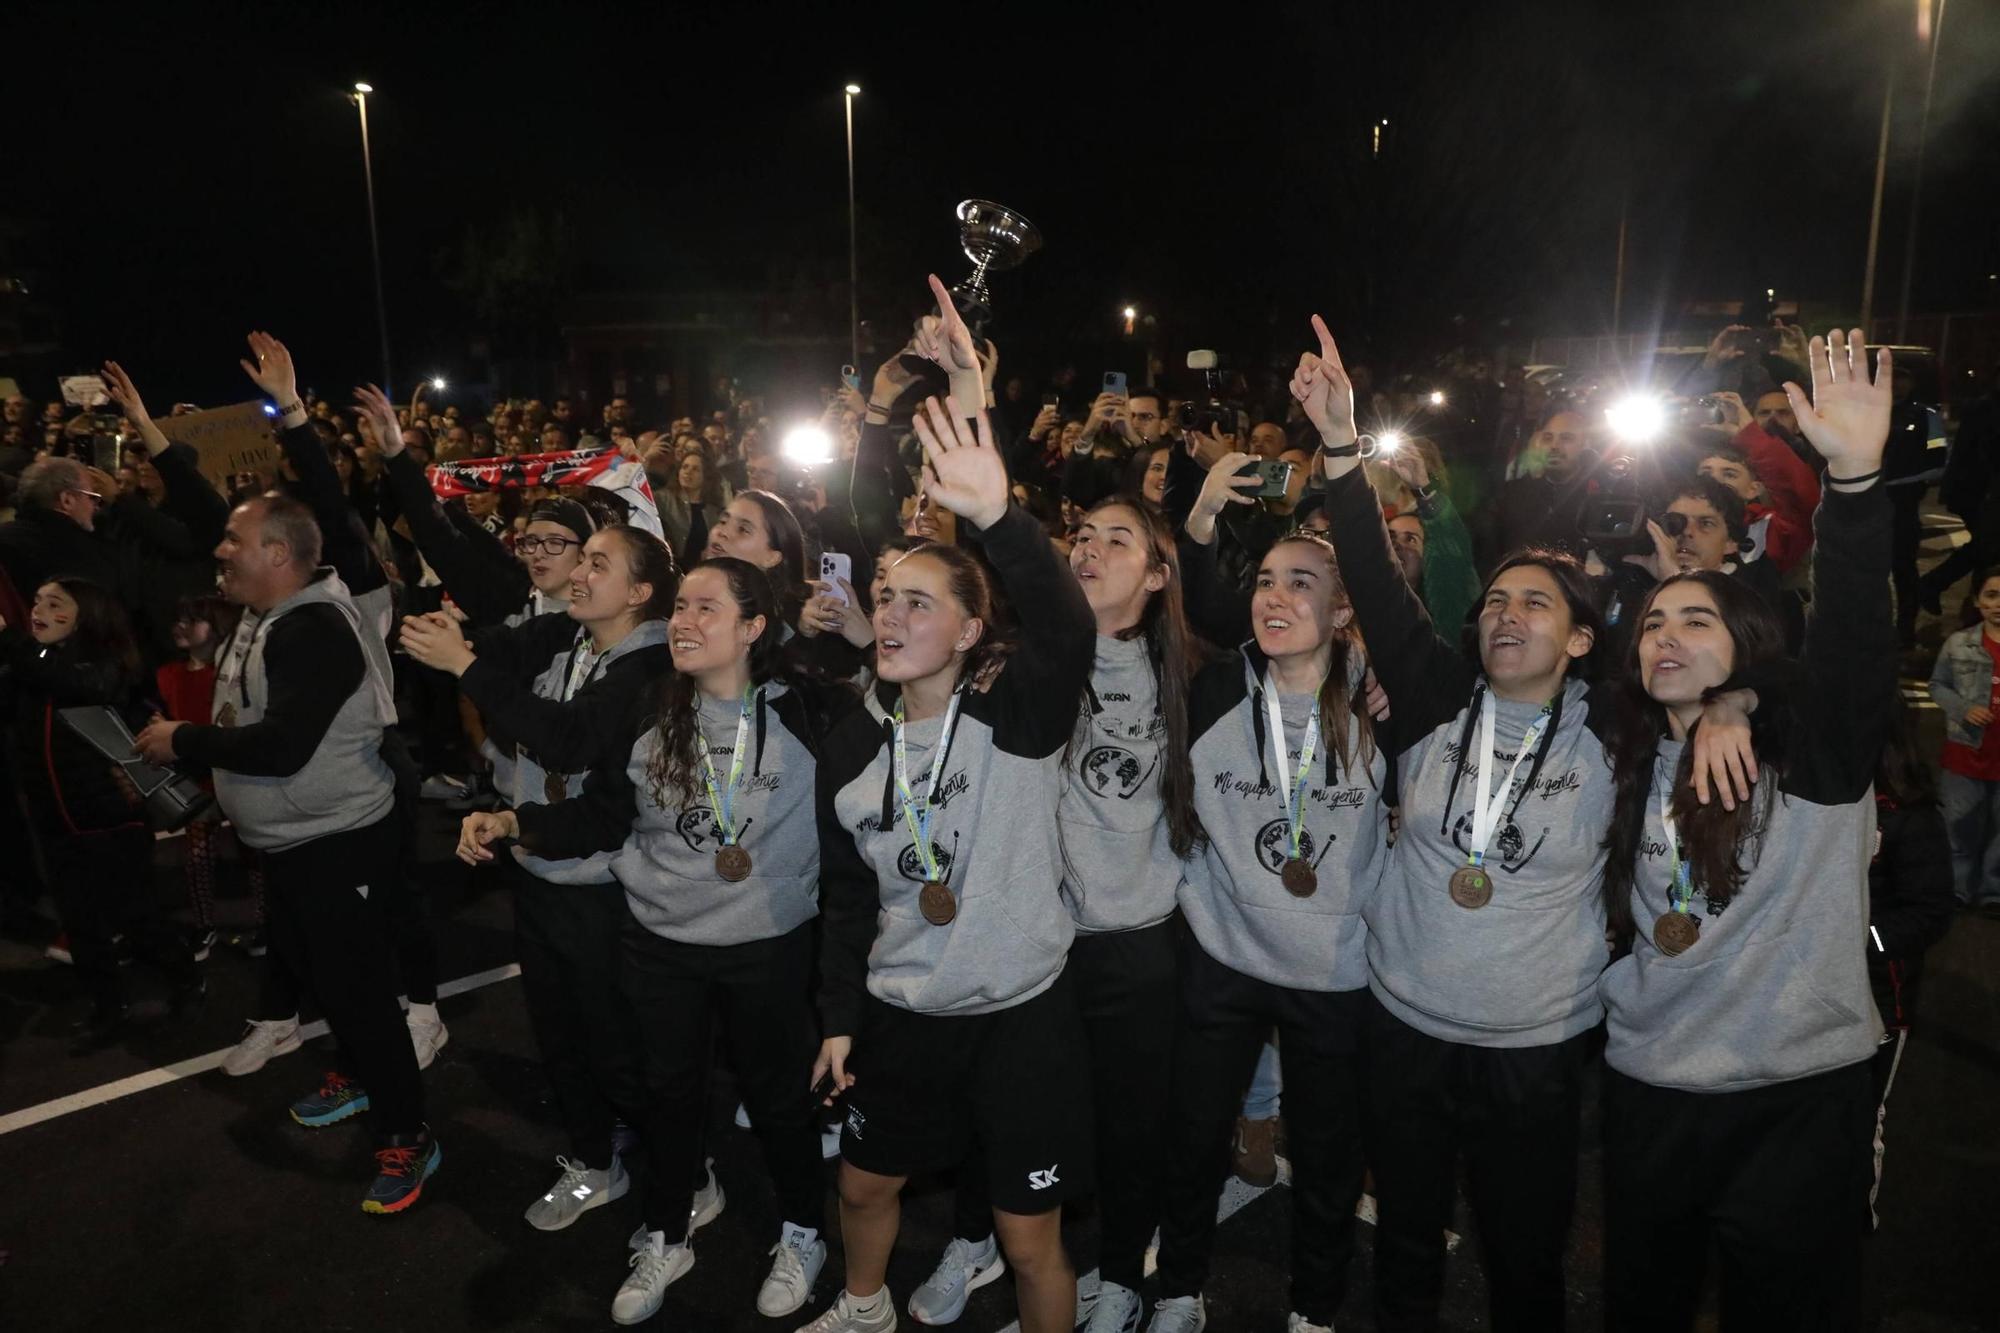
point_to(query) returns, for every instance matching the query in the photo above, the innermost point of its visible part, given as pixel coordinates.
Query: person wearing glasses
(54, 532)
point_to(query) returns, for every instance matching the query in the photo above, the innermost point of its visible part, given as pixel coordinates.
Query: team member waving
(1486, 938)
(950, 1022)
(711, 813)
(1290, 790)
(1739, 1109)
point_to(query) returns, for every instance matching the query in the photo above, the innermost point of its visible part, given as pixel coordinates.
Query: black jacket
(69, 786)
(1909, 903)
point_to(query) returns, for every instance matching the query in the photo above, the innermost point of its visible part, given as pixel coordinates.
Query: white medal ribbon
(1295, 783)
(1486, 804)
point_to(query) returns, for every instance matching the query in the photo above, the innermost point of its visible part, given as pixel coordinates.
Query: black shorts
(928, 1088)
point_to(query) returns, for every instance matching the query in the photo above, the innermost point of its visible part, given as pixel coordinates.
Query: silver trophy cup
(995, 238)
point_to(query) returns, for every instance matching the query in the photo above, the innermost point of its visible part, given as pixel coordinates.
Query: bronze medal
(1675, 933)
(1299, 878)
(732, 863)
(936, 903)
(1471, 887)
(554, 789)
(227, 717)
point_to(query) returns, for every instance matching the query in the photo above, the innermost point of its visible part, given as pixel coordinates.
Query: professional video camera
(1213, 414)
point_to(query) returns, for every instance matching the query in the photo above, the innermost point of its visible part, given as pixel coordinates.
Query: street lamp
(360, 100)
(850, 92)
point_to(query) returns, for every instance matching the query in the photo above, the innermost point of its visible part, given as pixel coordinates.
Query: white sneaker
(655, 1266)
(1088, 1285)
(427, 1033)
(965, 1268)
(708, 1202)
(795, 1263)
(1118, 1310)
(1298, 1323)
(1179, 1314)
(263, 1041)
(851, 1316)
(577, 1190)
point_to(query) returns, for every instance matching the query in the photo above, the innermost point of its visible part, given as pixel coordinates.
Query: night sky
(175, 177)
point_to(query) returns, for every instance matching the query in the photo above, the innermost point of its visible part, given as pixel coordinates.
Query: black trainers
(102, 1028)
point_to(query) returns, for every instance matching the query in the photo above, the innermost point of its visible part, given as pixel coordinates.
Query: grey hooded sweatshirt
(1119, 870)
(665, 851)
(1775, 986)
(1523, 969)
(995, 826)
(1232, 892)
(517, 680)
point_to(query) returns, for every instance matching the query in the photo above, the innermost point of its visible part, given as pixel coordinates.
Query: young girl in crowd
(711, 810)
(1127, 818)
(1289, 781)
(759, 527)
(947, 1015)
(1738, 1105)
(562, 687)
(1965, 684)
(76, 651)
(187, 694)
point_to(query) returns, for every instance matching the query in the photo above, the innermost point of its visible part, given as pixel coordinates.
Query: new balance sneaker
(966, 1267)
(1118, 1310)
(337, 1099)
(655, 1266)
(264, 1040)
(708, 1202)
(1179, 1314)
(795, 1263)
(427, 1033)
(1298, 1323)
(877, 1314)
(402, 1168)
(577, 1190)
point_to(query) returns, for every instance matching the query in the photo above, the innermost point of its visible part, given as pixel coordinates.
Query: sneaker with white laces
(1118, 1310)
(655, 1267)
(1298, 1323)
(427, 1033)
(795, 1263)
(263, 1041)
(708, 1202)
(1179, 1314)
(849, 1315)
(965, 1268)
(577, 1190)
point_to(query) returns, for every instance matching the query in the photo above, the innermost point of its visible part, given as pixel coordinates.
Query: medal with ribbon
(935, 901)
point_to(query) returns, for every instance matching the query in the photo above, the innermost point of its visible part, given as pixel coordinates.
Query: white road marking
(201, 1064)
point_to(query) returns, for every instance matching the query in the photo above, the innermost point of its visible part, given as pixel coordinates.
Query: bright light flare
(1638, 418)
(364, 88)
(437, 382)
(808, 446)
(1437, 397)
(1388, 442)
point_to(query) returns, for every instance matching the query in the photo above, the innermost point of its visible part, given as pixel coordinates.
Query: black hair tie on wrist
(1854, 481)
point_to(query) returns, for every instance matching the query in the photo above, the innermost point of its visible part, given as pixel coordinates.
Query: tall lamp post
(360, 100)
(852, 91)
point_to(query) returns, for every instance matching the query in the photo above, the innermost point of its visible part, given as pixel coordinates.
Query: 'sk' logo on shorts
(1041, 1180)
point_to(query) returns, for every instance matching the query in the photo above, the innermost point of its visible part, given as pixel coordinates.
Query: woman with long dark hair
(948, 1016)
(1739, 1106)
(561, 687)
(77, 651)
(1127, 818)
(1288, 782)
(761, 528)
(709, 810)
(1485, 939)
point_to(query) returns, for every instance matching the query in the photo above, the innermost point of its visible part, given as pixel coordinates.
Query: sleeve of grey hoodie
(570, 735)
